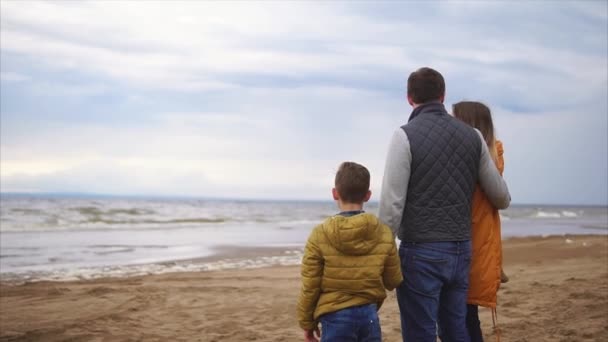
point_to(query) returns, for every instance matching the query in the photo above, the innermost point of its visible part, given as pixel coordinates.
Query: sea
(64, 237)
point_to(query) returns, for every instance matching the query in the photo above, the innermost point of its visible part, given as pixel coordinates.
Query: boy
(348, 262)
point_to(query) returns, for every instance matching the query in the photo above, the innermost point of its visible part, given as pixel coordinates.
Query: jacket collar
(349, 213)
(434, 107)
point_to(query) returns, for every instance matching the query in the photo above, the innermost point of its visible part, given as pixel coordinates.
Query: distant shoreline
(79, 195)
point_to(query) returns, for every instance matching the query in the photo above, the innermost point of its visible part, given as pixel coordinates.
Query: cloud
(266, 150)
(13, 77)
(555, 157)
(268, 39)
(162, 176)
(267, 98)
(182, 54)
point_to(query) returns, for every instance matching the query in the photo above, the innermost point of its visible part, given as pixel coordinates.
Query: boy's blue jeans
(356, 324)
(434, 290)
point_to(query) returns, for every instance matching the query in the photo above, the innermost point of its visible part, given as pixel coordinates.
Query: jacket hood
(353, 235)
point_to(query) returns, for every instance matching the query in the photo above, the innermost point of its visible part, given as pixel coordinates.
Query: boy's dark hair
(352, 182)
(424, 85)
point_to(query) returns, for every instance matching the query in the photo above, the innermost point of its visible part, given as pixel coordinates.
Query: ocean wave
(61, 260)
(22, 248)
(114, 251)
(290, 257)
(27, 211)
(555, 214)
(39, 215)
(152, 221)
(95, 211)
(106, 224)
(300, 222)
(566, 213)
(128, 246)
(6, 256)
(595, 226)
(547, 214)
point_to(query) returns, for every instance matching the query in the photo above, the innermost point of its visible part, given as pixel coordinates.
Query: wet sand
(558, 292)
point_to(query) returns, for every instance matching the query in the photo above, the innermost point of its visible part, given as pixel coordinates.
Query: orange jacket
(484, 278)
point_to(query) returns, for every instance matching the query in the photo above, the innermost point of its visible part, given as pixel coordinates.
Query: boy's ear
(367, 196)
(335, 194)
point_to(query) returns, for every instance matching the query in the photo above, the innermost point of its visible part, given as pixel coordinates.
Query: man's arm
(395, 181)
(493, 185)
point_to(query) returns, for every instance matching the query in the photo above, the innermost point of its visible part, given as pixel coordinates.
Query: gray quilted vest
(444, 170)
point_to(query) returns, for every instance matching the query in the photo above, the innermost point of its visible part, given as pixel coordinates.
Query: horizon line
(233, 198)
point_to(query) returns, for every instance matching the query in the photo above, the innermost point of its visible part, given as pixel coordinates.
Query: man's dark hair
(352, 182)
(425, 85)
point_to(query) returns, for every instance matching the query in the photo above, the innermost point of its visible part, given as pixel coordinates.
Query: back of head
(358, 234)
(477, 115)
(425, 85)
(352, 182)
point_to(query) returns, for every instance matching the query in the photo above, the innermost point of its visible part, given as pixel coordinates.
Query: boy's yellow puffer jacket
(348, 261)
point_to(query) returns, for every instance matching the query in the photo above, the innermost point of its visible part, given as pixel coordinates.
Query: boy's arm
(392, 276)
(312, 270)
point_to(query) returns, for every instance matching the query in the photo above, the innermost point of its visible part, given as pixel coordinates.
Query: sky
(266, 99)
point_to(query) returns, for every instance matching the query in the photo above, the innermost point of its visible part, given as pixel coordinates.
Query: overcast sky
(265, 99)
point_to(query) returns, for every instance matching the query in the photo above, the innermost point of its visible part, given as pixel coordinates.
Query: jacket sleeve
(392, 276)
(500, 163)
(492, 183)
(395, 181)
(312, 271)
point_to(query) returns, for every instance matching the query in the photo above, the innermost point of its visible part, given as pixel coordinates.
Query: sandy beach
(558, 292)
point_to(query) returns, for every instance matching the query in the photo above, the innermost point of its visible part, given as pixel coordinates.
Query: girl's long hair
(478, 115)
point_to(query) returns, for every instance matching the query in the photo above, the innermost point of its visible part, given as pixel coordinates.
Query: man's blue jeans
(434, 290)
(356, 324)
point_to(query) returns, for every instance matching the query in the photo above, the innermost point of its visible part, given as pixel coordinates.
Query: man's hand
(312, 335)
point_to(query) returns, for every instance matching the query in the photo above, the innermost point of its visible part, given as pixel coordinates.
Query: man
(433, 164)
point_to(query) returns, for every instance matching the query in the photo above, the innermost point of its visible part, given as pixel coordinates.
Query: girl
(486, 262)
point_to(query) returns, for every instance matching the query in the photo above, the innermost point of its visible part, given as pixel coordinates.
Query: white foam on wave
(547, 214)
(311, 223)
(556, 214)
(566, 213)
(289, 258)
